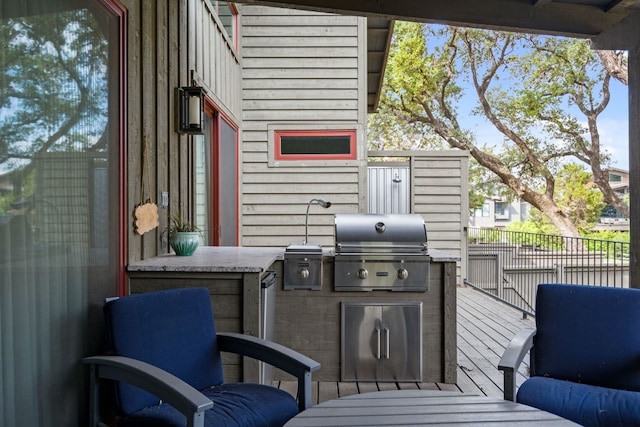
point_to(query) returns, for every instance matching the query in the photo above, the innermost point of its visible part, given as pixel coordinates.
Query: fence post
(500, 274)
(559, 273)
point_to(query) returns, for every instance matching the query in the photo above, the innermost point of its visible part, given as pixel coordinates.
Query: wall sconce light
(191, 110)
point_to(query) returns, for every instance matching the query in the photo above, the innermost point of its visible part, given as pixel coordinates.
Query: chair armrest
(512, 358)
(276, 355)
(152, 379)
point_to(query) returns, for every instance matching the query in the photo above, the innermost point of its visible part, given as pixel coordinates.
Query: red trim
(214, 216)
(235, 24)
(120, 12)
(350, 133)
(215, 179)
(237, 199)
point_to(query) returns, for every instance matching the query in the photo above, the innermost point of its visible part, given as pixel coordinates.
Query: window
(62, 200)
(502, 210)
(228, 15)
(216, 178)
(315, 145)
(614, 177)
(483, 211)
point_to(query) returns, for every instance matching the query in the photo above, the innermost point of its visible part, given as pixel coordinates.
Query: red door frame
(216, 115)
(117, 10)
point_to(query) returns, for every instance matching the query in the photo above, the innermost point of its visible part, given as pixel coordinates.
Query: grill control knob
(303, 273)
(403, 274)
(362, 274)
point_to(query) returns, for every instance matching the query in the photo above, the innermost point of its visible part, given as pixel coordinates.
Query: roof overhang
(379, 32)
(610, 23)
(576, 18)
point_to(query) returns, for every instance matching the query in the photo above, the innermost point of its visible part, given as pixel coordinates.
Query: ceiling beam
(558, 18)
(624, 36)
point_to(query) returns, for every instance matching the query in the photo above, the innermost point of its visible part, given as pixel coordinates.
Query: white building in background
(611, 219)
(498, 213)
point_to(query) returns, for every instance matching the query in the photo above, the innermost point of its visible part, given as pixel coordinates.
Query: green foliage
(178, 223)
(531, 227)
(541, 235)
(614, 243)
(578, 197)
(543, 94)
(54, 92)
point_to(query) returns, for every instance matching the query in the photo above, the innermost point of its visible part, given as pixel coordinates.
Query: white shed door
(389, 190)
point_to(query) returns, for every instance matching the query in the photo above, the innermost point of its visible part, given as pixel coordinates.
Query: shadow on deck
(485, 326)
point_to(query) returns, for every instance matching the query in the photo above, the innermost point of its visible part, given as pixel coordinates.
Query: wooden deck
(485, 327)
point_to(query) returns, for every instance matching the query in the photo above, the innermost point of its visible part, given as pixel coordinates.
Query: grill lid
(359, 233)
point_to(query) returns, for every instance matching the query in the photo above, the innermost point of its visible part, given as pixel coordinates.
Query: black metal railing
(509, 265)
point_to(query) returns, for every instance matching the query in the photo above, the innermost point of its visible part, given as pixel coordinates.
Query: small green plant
(178, 224)
(181, 235)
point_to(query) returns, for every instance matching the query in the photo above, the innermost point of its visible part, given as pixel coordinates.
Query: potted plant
(184, 237)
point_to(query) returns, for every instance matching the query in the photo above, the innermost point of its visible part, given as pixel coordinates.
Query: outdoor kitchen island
(247, 298)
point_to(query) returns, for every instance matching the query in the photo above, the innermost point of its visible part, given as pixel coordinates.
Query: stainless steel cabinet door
(381, 342)
(402, 342)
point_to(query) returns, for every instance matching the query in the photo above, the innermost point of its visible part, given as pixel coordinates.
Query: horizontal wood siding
(169, 42)
(440, 195)
(305, 69)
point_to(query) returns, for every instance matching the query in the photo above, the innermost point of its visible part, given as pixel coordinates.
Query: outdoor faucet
(320, 202)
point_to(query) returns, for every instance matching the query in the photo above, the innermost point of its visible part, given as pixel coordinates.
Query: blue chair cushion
(235, 405)
(588, 334)
(173, 330)
(585, 404)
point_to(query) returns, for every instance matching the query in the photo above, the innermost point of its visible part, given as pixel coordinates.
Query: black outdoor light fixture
(191, 110)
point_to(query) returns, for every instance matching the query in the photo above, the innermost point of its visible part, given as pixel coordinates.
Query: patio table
(422, 408)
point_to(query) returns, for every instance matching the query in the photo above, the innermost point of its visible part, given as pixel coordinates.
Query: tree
(578, 197)
(616, 63)
(536, 91)
(46, 103)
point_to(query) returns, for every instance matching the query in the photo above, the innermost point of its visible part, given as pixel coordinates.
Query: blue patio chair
(585, 355)
(168, 371)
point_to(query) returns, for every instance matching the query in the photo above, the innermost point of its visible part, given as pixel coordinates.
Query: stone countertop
(443, 256)
(213, 259)
(235, 259)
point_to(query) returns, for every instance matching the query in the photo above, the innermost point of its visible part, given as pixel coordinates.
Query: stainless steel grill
(381, 252)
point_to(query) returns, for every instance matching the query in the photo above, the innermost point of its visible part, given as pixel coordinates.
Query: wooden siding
(301, 70)
(170, 43)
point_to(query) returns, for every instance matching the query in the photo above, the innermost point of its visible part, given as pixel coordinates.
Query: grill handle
(378, 355)
(361, 248)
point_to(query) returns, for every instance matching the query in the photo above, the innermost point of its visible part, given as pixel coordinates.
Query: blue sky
(614, 126)
(613, 123)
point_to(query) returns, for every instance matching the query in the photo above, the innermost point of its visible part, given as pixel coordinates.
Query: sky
(613, 123)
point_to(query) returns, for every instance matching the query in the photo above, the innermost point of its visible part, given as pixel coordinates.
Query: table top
(422, 408)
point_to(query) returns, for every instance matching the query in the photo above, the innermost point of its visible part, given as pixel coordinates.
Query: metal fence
(510, 265)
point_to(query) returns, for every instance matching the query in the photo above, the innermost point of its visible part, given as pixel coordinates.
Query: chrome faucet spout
(325, 204)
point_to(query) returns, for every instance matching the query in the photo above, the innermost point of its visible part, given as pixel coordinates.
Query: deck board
(484, 327)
